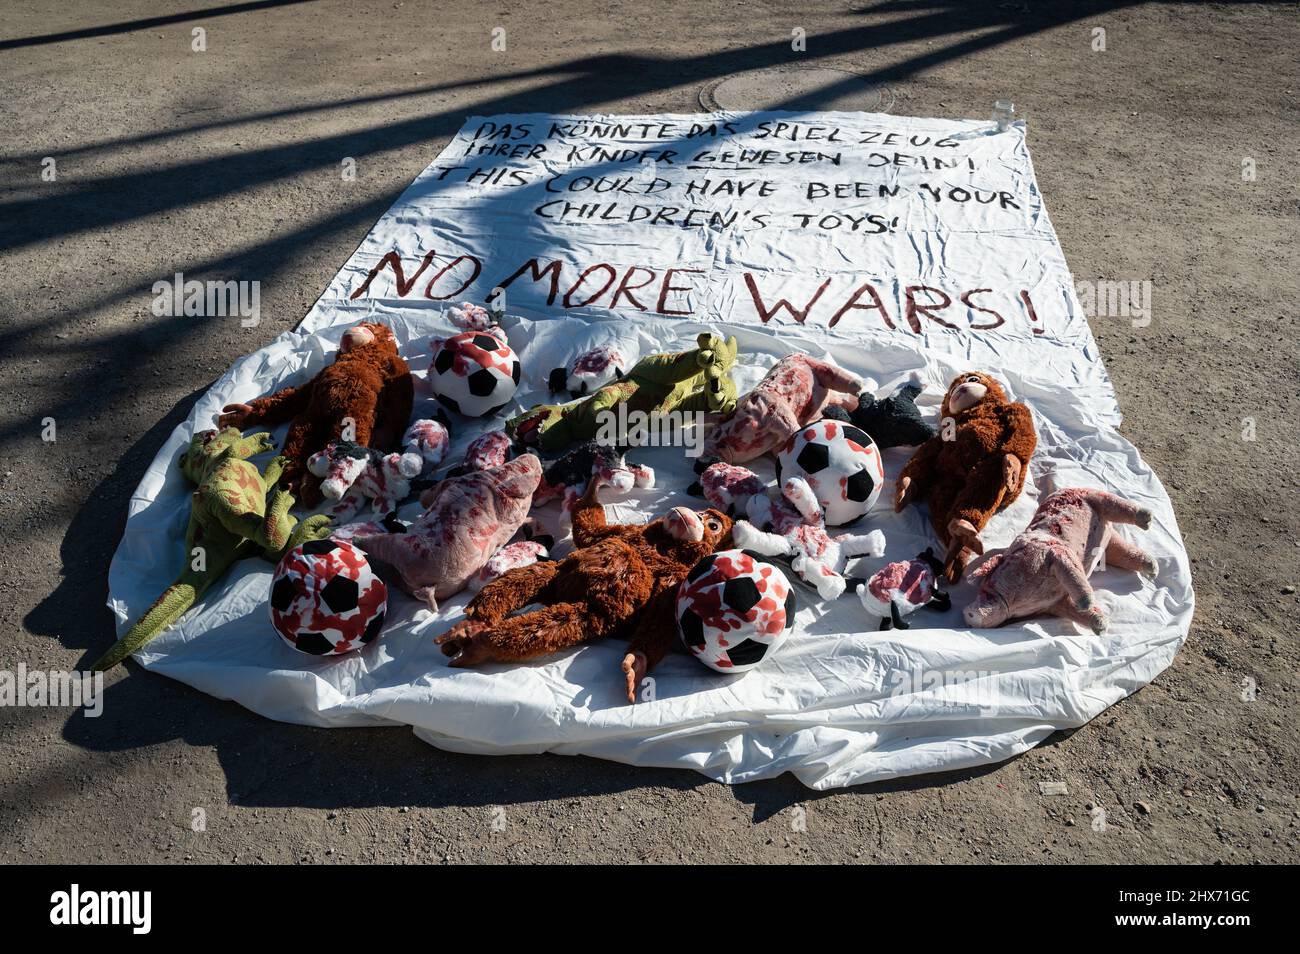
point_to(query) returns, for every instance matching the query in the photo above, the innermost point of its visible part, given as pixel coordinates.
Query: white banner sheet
(896, 247)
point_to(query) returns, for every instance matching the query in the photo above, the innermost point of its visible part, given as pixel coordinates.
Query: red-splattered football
(325, 598)
(733, 610)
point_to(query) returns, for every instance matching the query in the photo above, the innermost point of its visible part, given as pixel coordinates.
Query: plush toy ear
(558, 380)
(318, 464)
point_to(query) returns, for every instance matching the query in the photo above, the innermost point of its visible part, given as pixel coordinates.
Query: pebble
(1142, 807)
(1288, 590)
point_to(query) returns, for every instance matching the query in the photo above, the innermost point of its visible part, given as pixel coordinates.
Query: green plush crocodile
(695, 380)
(231, 518)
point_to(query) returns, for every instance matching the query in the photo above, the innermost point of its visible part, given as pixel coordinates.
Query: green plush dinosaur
(695, 380)
(231, 518)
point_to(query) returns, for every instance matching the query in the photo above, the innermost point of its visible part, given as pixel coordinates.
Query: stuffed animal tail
(176, 599)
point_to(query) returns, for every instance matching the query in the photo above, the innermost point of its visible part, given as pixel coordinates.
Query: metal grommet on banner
(796, 88)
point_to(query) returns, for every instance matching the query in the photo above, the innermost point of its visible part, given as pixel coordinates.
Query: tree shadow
(145, 23)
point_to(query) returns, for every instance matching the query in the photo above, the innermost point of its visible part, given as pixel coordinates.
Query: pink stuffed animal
(466, 520)
(798, 530)
(1045, 570)
(486, 451)
(471, 317)
(351, 473)
(794, 393)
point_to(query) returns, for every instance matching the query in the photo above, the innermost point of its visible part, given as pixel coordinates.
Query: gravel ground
(223, 163)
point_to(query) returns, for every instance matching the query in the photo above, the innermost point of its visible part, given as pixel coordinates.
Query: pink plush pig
(794, 393)
(1045, 570)
(487, 450)
(466, 520)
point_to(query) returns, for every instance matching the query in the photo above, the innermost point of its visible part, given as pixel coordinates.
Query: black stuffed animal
(894, 421)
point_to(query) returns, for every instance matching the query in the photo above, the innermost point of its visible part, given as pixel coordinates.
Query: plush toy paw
(312, 528)
(237, 416)
(964, 536)
(1098, 621)
(1011, 472)
(902, 495)
(635, 667)
(466, 644)
(274, 468)
(1150, 567)
(830, 587)
(1143, 520)
(317, 527)
(955, 565)
(715, 357)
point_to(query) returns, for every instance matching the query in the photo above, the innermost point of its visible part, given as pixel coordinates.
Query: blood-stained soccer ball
(733, 610)
(325, 598)
(474, 373)
(842, 466)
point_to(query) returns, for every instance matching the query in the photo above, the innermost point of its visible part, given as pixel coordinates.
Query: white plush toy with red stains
(793, 525)
(350, 474)
(590, 371)
(899, 588)
(428, 438)
(471, 317)
(728, 487)
(509, 557)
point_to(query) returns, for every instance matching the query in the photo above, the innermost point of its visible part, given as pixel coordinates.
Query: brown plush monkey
(368, 387)
(620, 581)
(972, 468)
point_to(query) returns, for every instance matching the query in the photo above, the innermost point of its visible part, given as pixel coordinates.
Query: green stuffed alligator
(231, 518)
(695, 380)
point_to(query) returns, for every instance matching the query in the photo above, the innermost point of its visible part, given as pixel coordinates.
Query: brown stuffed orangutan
(619, 581)
(972, 468)
(364, 396)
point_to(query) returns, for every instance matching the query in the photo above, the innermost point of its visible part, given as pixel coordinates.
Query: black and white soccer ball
(842, 466)
(325, 598)
(474, 373)
(733, 610)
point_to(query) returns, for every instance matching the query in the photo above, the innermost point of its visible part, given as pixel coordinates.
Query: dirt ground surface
(224, 164)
